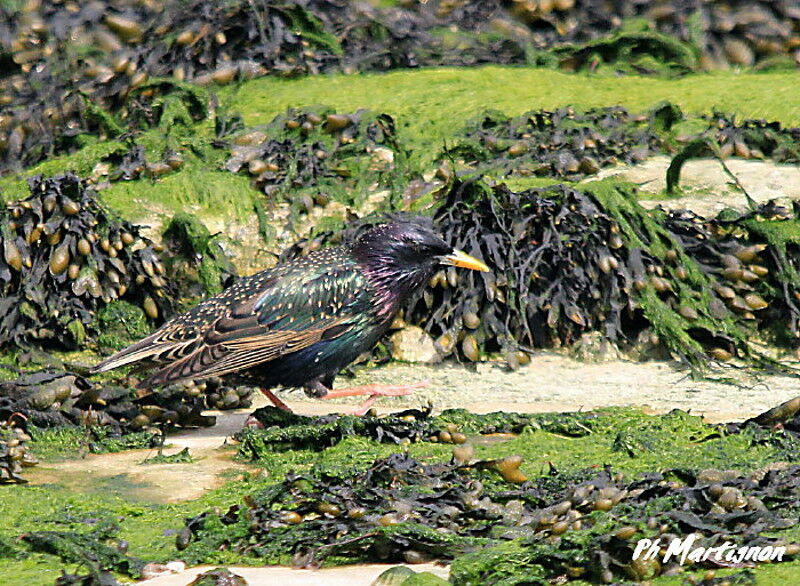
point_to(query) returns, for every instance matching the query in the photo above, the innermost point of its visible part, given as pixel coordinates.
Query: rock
(218, 577)
(594, 347)
(154, 570)
(425, 579)
(412, 344)
(383, 157)
(393, 576)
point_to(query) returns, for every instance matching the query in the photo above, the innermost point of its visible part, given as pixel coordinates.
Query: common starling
(299, 323)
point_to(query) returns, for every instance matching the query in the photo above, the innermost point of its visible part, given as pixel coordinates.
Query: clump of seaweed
(196, 260)
(750, 259)
(64, 258)
(306, 156)
(565, 262)
(100, 71)
(54, 399)
(580, 525)
(753, 138)
(218, 577)
(14, 452)
(560, 143)
(573, 144)
(281, 431)
(90, 551)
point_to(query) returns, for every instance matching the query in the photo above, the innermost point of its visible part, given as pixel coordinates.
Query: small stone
(154, 570)
(383, 156)
(218, 577)
(413, 344)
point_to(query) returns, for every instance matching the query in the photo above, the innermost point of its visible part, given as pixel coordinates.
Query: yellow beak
(459, 258)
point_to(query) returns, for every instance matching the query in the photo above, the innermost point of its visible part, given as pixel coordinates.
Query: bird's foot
(374, 391)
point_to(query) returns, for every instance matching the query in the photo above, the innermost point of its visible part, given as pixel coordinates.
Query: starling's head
(402, 255)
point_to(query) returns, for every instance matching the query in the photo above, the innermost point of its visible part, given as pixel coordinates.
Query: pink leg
(255, 423)
(373, 392)
(275, 400)
(376, 390)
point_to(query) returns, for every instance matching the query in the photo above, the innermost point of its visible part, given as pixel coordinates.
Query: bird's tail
(135, 352)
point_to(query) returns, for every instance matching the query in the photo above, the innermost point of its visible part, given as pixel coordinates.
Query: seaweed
(89, 551)
(571, 144)
(278, 431)
(112, 411)
(562, 143)
(197, 261)
(102, 70)
(311, 156)
(65, 256)
(579, 525)
(14, 456)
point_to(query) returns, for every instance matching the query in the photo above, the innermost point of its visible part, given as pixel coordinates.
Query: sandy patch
(709, 189)
(341, 576)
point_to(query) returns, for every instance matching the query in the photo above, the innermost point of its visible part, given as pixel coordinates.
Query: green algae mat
(262, 130)
(429, 106)
(506, 498)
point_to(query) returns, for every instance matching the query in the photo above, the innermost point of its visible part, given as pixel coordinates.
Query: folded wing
(258, 319)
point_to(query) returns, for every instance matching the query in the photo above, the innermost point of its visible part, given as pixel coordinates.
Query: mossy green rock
(425, 579)
(394, 576)
(507, 564)
(119, 324)
(207, 263)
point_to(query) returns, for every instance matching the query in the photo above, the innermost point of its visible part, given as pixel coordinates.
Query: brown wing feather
(216, 357)
(179, 337)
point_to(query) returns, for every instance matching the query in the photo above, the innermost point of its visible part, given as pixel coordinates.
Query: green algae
(635, 48)
(430, 105)
(199, 188)
(119, 324)
(425, 579)
(641, 229)
(193, 241)
(569, 440)
(674, 440)
(88, 550)
(61, 443)
(51, 509)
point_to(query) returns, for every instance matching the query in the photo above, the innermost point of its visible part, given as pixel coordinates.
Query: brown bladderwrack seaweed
(51, 399)
(64, 257)
(561, 143)
(579, 525)
(573, 144)
(306, 155)
(565, 262)
(14, 452)
(750, 259)
(72, 71)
